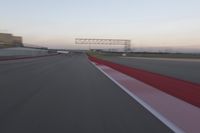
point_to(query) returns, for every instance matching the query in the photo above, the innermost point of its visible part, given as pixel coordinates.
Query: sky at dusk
(147, 23)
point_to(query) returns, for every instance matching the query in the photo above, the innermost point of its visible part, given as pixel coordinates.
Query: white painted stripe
(167, 122)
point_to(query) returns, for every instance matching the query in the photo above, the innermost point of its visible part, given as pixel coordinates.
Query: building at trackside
(8, 40)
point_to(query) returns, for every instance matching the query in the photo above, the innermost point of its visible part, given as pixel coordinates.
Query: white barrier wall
(20, 51)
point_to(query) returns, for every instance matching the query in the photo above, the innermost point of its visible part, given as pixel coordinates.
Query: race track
(67, 94)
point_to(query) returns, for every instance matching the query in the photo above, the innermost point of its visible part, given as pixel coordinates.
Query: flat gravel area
(184, 69)
(67, 94)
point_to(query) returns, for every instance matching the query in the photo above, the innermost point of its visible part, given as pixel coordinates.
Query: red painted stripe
(27, 57)
(187, 91)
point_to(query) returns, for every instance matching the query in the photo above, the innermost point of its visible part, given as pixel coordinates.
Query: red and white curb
(177, 114)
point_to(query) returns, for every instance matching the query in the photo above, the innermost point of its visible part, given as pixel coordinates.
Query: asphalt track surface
(184, 69)
(61, 94)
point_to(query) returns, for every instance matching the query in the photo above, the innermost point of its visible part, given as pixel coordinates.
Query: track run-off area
(70, 93)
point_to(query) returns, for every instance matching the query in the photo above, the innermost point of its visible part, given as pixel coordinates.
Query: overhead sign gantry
(90, 41)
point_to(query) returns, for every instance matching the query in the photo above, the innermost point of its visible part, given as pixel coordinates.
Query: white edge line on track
(148, 107)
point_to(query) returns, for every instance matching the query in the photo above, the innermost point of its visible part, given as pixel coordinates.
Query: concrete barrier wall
(20, 51)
